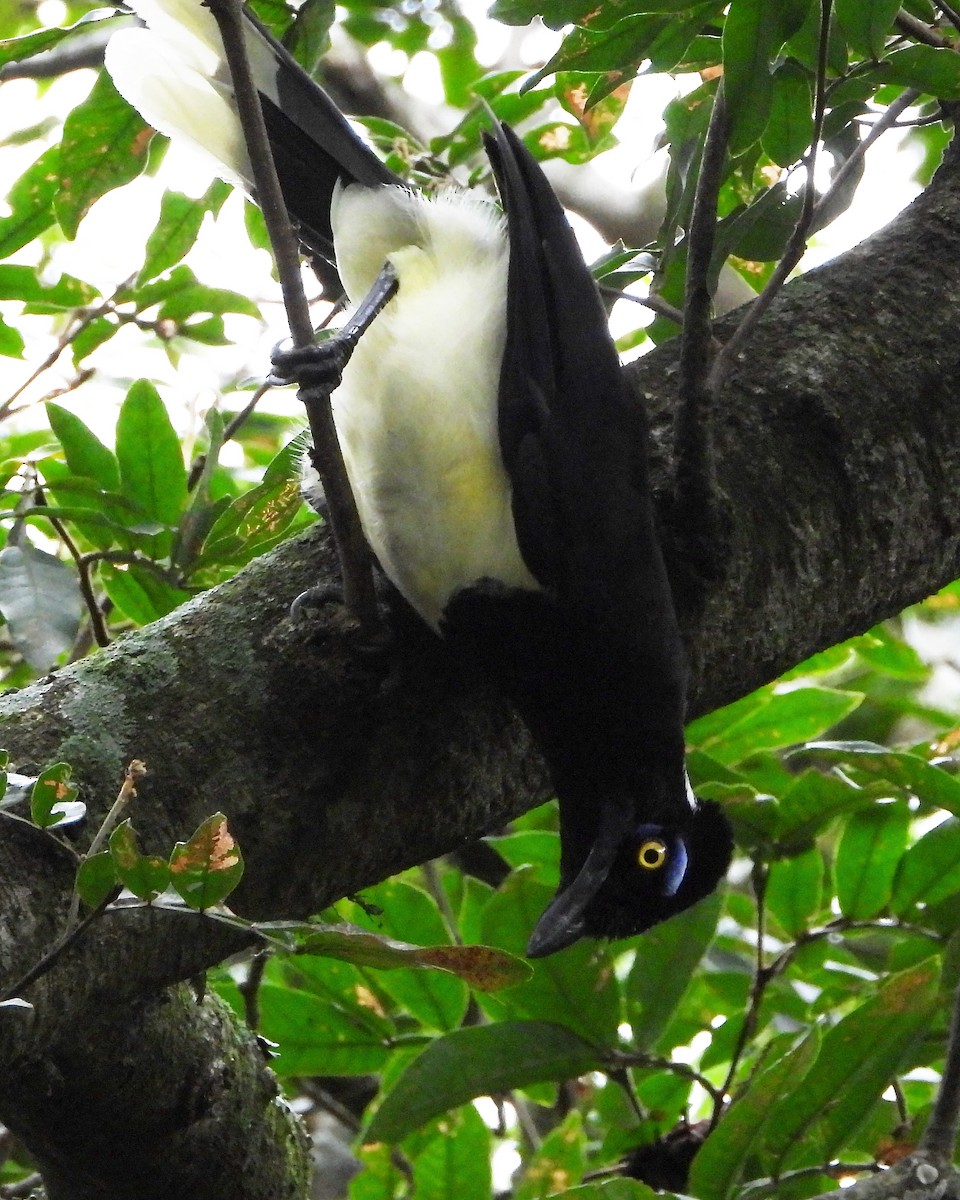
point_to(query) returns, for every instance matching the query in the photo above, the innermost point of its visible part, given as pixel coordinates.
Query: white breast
(417, 409)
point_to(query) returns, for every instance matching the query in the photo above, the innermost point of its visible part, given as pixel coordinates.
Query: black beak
(562, 922)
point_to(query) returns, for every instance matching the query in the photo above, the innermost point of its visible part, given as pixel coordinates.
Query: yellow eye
(652, 854)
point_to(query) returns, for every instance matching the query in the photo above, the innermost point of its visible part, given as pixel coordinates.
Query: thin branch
(127, 794)
(230, 430)
(663, 308)
(762, 976)
(133, 558)
(249, 989)
(133, 774)
(835, 1170)
(64, 341)
(915, 28)
(46, 962)
(697, 338)
(617, 1062)
(358, 588)
(695, 511)
(97, 623)
(887, 121)
(798, 239)
(940, 1135)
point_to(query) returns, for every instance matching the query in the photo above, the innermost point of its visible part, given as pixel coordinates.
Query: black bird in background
(498, 459)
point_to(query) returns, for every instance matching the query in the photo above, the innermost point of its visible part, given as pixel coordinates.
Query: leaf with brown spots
(206, 869)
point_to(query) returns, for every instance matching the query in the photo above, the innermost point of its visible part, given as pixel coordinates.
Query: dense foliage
(790, 1029)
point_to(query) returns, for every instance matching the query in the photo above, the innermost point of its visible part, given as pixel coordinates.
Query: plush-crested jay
(497, 456)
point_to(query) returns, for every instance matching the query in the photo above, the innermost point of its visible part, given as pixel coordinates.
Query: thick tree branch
(839, 468)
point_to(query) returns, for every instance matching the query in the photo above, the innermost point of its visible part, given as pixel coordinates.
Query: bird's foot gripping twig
(317, 368)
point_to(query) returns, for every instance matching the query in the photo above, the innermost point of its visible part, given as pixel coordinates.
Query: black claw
(318, 366)
(315, 597)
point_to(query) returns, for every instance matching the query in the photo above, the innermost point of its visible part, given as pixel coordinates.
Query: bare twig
(97, 623)
(663, 308)
(696, 515)
(65, 340)
(915, 28)
(696, 343)
(887, 121)
(128, 791)
(230, 430)
(249, 989)
(655, 1062)
(127, 794)
(761, 978)
(358, 589)
(44, 964)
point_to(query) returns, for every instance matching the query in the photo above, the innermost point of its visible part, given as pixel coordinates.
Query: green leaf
(870, 849)
(146, 875)
(174, 234)
(536, 847)
(784, 720)
(206, 869)
(559, 1162)
(722, 1158)
(558, 14)
(930, 870)
(53, 800)
(867, 26)
(666, 958)
(19, 49)
(455, 1161)
(479, 966)
(140, 593)
(789, 128)
(747, 80)
(621, 47)
(30, 201)
(97, 879)
(379, 1177)
(576, 986)
(24, 283)
(908, 772)
(753, 33)
(258, 518)
(478, 1061)
(86, 455)
(438, 1001)
(40, 600)
(859, 1056)
(152, 473)
(92, 336)
(927, 68)
(318, 1037)
(186, 302)
(104, 145)
(795, 890)
(12, 344)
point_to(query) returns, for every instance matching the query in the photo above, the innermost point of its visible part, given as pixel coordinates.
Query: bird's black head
(635, 875)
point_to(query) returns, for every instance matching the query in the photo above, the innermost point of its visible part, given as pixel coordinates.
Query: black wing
(313, 144)
(573, 440)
